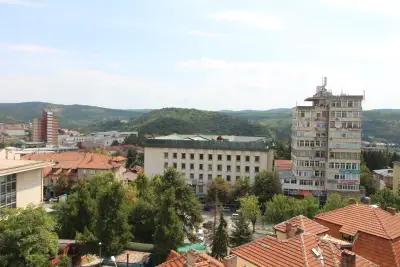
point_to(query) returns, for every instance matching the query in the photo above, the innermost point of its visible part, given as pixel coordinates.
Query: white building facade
(326, 145)
(202, 158)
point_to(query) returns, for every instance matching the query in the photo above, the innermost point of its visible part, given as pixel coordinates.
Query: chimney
(391, 210)
(348, 259)
(292, 230)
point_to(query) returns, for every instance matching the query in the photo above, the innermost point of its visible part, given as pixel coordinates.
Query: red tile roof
(175, 259)
(283, 165)
(294, 252)
(365, 218)
(304, 223)
(78, 160)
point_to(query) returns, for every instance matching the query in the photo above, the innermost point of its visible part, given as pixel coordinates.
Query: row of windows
(347, 176)
(346, 114)
(310, 173)
(346, 104)
(304, 182)
(8, 186)
(210, 157)
(318, 134)
(342, 165)
(346, 125)
(347, 187)
(307, 143)
(310, 163)
(309, 153)
(228, 168)
(344, 155)
(210, 177)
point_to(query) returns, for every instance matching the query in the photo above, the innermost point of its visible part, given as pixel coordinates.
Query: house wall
(29, 188)
(334, 229)
(235, 261)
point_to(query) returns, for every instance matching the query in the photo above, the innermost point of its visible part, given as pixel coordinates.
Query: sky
(205, 54)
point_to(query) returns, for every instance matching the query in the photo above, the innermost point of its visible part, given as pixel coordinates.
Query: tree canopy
(241, 233)
(266, 185)
(220, 241)
(250, 209)
(27, 237)
(334, 201)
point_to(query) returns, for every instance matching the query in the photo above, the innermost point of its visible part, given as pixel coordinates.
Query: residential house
(283, 229)
(383, 178)
(283, 168)
(373, 232)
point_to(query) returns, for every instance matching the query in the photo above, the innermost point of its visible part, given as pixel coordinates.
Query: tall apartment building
(203, 157)
(45, 129)
(326, 145)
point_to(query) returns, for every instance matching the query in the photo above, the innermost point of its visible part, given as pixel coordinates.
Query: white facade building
(203, 157)
(326, 145)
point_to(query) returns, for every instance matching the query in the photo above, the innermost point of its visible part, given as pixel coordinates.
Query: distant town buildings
(326, 145)
(45, 128)
(383, 178)
(21, 182)
(95, 139)
(200, 158)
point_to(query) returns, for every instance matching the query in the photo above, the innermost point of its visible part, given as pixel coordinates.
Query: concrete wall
(29, 188)
(396, 177)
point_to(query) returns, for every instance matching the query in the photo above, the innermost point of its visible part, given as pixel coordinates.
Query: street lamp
(100, 250)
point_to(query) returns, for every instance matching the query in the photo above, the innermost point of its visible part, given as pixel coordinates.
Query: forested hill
(380, 124)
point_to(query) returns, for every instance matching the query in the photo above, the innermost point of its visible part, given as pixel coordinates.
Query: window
(200, 187)
(228, 157)
(237, 178)
(191, 166)
(175, 165)
(237, 157)
(201, 156)
(192, 176)
(191, 156)
(165, 165)
(257, 158)
(200, 176)
(219, 167)
(247, 168)
(210, 167)
(210, 156)
(257, 169)
(209, 177)
(237, 168)
(293, 181)
(200, 166)
(306, 182)
(8, 194)
(228, 168)
(247, 158)
(183, 166)
(183, 155)
(228, 178)
(165, 155)
(175, 155)
(219, 157)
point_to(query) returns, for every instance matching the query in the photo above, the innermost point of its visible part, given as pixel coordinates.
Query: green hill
(74, 116)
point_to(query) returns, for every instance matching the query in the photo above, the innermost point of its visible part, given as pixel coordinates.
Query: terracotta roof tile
(294, 252)
(364, 218)
(175, 259)
(304, 223)
(283, 165)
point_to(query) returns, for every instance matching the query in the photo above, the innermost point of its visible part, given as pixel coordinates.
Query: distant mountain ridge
(378, 124)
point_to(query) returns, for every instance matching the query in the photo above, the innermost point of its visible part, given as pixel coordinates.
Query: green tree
(367, 180)
(266, 185)
(142, 220)
(112, 228)
(241, 233)
(250, 209)
(220, 240)
(130, 158)
(308, 207)
(241, 188)
(169, 228)
(27, 237)
(218, 191)
(334, 201)
(186, 204)
(385, 198)
(63, 185)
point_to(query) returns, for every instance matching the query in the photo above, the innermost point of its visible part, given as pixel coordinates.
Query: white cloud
(30, 48)
(385, 7)
(26, 3)
(250, 19)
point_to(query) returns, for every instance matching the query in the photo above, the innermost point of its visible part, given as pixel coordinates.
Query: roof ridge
(381, 223)
(303, 250)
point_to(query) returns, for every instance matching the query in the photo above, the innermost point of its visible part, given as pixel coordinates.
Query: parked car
(235, 216)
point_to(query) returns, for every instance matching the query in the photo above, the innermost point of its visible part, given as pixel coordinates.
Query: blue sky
(207, 54)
